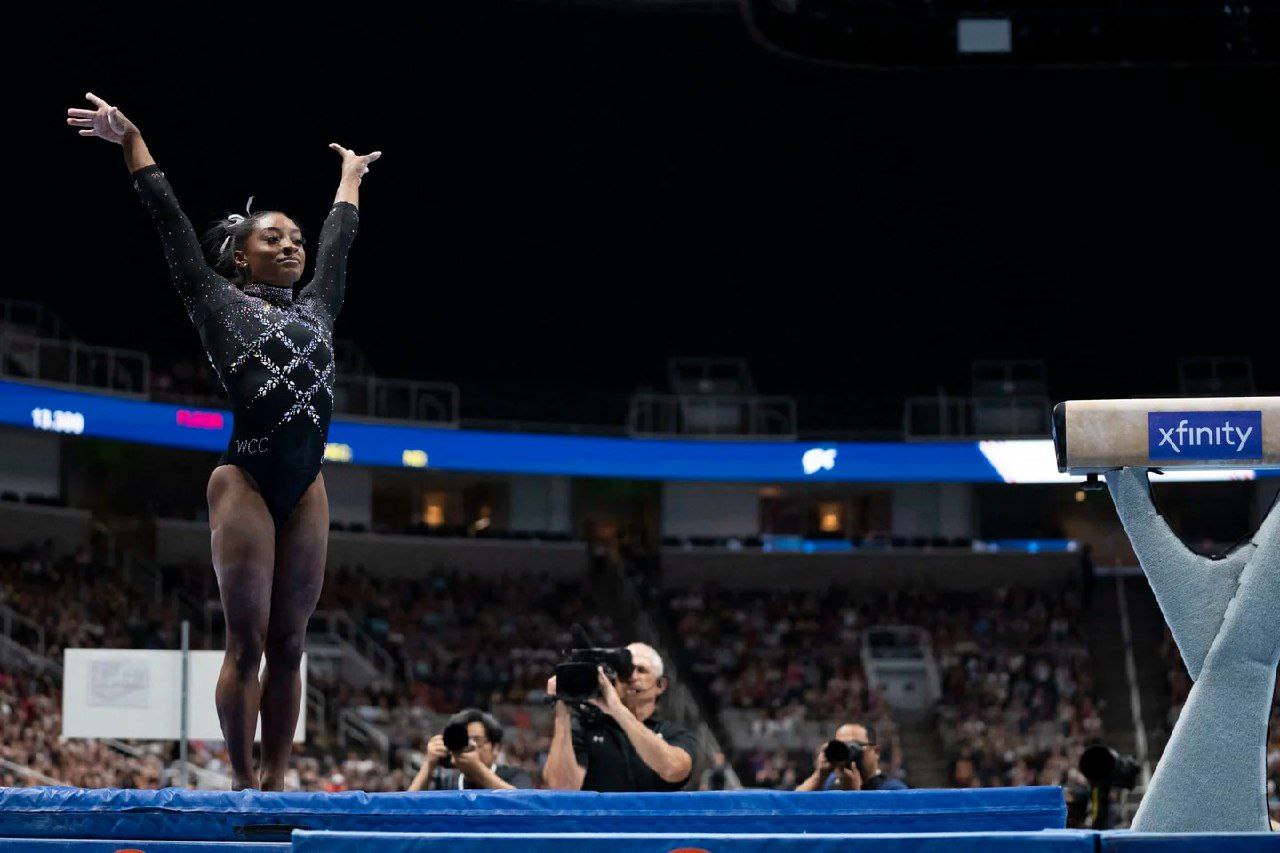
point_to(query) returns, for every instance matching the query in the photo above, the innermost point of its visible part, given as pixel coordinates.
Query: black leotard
(273, 353)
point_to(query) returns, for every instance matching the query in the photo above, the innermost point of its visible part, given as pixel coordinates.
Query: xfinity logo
(818, 459)
(1205, 436)
(1173, 436)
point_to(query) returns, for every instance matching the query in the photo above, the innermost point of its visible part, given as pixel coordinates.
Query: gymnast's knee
(244, 652)
(284, 650)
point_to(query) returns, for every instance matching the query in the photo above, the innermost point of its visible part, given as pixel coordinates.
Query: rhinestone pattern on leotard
(273, 322)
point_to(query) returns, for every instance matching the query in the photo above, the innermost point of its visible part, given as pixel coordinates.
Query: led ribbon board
(74, 413)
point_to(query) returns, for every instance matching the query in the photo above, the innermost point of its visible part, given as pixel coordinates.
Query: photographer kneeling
(850, 762)
(612, 741)
(464, 756)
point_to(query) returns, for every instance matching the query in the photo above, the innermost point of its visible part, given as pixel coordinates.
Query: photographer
(850, 762)
(455, 764)
(623, 747)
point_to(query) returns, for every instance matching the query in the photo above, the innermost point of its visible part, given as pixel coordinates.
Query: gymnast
(273, 351)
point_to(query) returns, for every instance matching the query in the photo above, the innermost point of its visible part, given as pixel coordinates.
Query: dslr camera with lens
(456, 739)
(841, 754)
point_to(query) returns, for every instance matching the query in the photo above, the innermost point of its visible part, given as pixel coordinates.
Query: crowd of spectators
(788, 657)
(75, 602)
(462, 641)
(80, 603)
(1017, 702)
(31, 737)
(1016, 694)
(456, 641)
(465, 641)
(1016, 706)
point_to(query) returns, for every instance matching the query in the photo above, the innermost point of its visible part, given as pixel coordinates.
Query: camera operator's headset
(661, 681)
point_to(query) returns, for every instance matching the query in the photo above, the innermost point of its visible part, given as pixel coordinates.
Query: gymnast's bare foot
(241, 783)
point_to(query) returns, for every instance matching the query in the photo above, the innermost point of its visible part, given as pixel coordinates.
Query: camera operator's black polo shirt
(612, 763)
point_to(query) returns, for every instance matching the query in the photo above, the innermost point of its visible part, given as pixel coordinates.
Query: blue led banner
(362, 443)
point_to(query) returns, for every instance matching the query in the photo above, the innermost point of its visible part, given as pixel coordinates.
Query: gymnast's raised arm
(200, 287)
(328, 284)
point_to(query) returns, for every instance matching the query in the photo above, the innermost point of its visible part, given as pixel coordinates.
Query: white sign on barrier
(137, 693)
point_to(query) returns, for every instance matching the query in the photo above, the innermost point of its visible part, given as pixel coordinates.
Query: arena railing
(946, 417)
(1131, 676)
(206, 779)
(317, 706)
(434, 403)
(63, 361)
(34, 318)
(343, 627)
(353, 727)
(901, 651)
(732, 416)
(29, 357)
(347, 635)
(15, 656)
(28, 773)
(377, 398)
(9, 618)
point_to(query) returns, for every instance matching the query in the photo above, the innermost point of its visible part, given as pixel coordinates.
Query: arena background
(631, 220)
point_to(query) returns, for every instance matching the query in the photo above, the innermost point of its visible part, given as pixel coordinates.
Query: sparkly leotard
(273, 353)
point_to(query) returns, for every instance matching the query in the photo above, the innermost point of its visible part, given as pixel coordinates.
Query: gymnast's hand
(106, 122)
(353, 164)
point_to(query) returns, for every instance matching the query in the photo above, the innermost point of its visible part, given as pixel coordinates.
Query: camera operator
(624, 747)
(859, 772)
(474, 765)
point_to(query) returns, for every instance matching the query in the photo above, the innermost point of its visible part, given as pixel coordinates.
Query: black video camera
(841, 754)
(1106, 768)
(576, 678)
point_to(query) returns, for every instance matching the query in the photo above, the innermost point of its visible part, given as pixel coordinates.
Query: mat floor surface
(45, 820)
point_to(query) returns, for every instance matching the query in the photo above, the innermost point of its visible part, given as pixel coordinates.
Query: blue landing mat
(175, 814)
(1060, 841)
(1200, 842)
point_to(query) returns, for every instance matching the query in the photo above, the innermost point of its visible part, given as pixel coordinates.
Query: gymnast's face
(273, 253)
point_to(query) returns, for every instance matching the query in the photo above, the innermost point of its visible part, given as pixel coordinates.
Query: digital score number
(56, 420)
